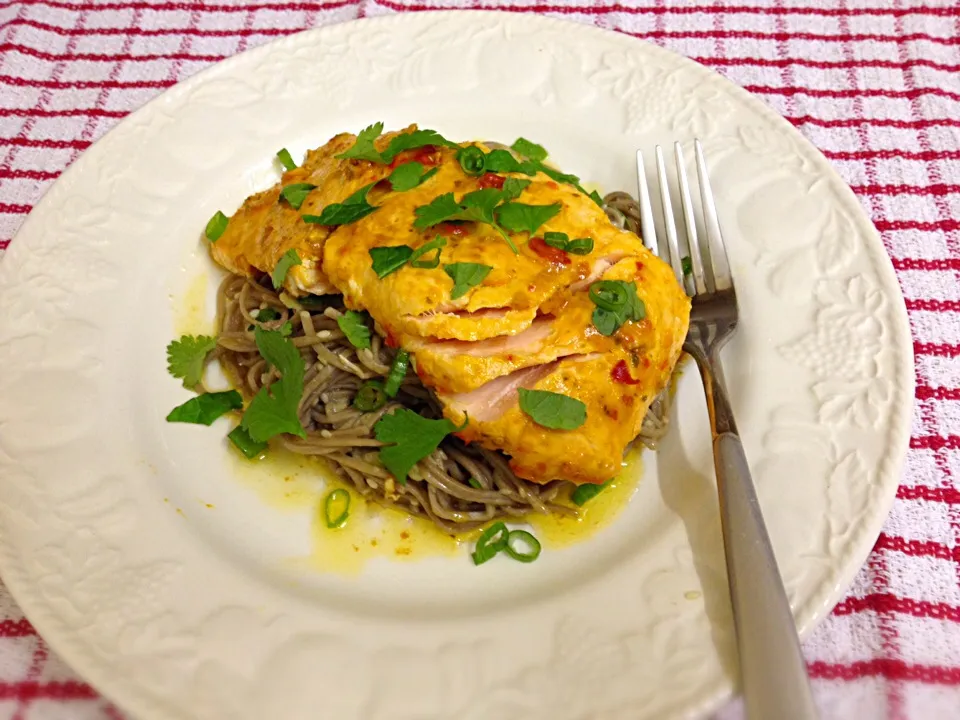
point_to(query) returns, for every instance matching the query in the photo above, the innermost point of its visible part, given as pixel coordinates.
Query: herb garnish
(472, 160)
(273, 410)
(686, 264)
(244, 443)
(562, 241)
(204, 409)
(283, 155)
(616, 302)
(518, 217)
(354, 326)
(465, 276)
(186, 357)
(553, 410)
(364, 149)
(410, 175)
(586, 492)
(216, 226)
(350, 210)
(412, 438)
(476, 206)
(391, 258)
(530, 149)
(296, 193)
(336, 508)
(490, 543)
(398, 371)
(286, 261)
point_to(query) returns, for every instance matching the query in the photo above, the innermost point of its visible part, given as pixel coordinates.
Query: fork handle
(772, 670)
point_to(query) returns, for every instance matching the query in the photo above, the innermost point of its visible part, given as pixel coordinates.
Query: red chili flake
(391, 340)
(548, 252)
(552, 185)
(646, 362)
(428, 155)
(639, 266)
(491, 180)
(621, 374)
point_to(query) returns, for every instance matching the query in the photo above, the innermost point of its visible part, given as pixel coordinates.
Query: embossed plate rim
(856, 546)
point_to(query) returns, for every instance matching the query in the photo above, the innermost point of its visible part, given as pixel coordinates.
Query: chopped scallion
(516, 541)
(336, 508)
(244, 443)
(370, 396)
(491, 542)
(398, 371)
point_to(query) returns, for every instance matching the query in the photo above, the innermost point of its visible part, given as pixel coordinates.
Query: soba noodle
(439, 487)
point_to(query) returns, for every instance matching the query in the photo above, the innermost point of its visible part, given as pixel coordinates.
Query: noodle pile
(439, 487)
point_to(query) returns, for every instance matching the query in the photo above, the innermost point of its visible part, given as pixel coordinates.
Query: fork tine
(648, 231)
(668, 222)
(696, 260)
(719, 262)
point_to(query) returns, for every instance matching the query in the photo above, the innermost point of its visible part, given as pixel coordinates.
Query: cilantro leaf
(410, 175)
(476, 206)
(503, 161)
(412, 438)
(412, 141)
(465, 276)
(273, 410)
(530, 149)
(204, 409)
(513, 187)
(283, 155)
(443, 207)
(216, 226)
(286, 261)
(350, 210)
(553, 410)
(562, 241)
(518, 217)
(186, 357)
(296, 193)
(354, 326)
(363, 148)
(389, 259)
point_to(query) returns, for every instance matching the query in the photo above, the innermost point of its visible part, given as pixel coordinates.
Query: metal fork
(772, 669)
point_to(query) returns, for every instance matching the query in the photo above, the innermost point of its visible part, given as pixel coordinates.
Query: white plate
(200, 614)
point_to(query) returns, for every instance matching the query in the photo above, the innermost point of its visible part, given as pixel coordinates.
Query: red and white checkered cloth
(874, 84)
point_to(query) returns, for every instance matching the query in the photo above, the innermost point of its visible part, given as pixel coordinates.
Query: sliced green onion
(522, 537)
(336, 508)
(244, 443)
(609, 295)
(472, 159)
(398, 371)
(587, 491)
(686, 264)
(283, 155)
(580, 246)
(491, 542)
(216, 226)
(370, 396)
(474, 483)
